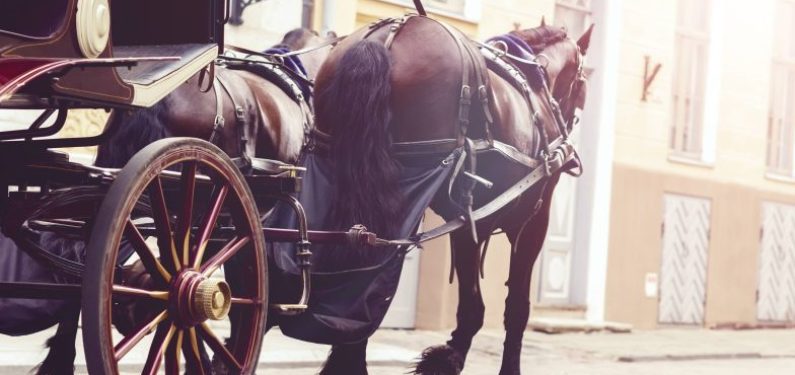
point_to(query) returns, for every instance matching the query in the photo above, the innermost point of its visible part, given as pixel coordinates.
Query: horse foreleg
(527, 243)
(61, 357)
(346, 359)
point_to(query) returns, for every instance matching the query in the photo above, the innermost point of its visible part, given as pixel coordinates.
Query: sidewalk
(670, 351)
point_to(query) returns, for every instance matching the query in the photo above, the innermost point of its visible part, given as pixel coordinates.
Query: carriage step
(288, 309)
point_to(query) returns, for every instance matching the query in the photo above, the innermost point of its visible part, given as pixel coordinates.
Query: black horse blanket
(347, 305)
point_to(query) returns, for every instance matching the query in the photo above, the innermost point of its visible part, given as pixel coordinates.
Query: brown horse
(274, 120)
(384, 85)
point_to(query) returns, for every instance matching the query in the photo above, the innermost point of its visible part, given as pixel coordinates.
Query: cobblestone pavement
(679, 352)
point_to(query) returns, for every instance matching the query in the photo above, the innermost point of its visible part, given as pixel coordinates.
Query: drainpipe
(328, 16)
(306, 18)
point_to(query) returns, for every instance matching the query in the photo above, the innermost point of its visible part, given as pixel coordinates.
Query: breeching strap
(556, 164)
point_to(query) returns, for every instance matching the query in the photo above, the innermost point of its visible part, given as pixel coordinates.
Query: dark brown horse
(383, 85)
(274, 120)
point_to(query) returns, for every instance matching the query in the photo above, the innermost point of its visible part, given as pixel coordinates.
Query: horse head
(562, 60)
(302, 38)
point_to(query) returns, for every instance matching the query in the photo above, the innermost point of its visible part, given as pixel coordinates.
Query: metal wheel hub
(195, 299)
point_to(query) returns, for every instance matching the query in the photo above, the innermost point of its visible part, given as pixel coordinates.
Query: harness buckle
(464, 104)
(554, 161)
(484, 94)
(466, 94)
(219, 122)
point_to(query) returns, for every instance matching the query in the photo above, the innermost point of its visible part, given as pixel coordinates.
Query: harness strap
(218, 123)
(536, 175)
(246, 146)
(394, 28)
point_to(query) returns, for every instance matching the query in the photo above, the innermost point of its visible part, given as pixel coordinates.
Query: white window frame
(694, 140)
(571, 6)
(780, 152)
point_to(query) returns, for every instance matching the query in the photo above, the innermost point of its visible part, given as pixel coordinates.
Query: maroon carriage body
(103, 53)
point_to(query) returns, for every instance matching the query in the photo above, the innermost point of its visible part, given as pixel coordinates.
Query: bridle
(575, 87)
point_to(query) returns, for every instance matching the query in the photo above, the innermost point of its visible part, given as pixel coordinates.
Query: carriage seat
(152, 81)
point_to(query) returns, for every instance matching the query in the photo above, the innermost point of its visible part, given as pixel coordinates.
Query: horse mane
(131, 131)
(542, 37)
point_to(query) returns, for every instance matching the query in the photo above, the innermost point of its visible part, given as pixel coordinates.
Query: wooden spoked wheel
(181, 285)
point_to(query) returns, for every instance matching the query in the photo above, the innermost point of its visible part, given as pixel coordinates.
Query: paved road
(662, 352)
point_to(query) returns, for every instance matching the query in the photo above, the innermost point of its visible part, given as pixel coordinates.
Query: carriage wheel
(159, 270)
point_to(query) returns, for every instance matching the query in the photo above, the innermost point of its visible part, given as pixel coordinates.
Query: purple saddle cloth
(519, 48)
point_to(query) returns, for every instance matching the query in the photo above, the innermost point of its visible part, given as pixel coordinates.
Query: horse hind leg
(60, 359)
(449, 359)
(346, 359)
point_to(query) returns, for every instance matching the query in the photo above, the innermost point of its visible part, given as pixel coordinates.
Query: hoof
(439, 360)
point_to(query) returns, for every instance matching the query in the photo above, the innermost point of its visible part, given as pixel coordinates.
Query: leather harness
(272, 72)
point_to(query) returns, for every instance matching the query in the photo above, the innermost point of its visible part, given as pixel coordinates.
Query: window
(690, 75)
(781, 119)
(575, 15)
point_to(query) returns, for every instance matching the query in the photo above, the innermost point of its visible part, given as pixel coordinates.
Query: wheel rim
(174, 286)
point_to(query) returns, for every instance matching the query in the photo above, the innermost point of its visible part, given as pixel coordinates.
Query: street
(668, 351)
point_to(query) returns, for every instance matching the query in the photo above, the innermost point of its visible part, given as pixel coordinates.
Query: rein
(299, 52)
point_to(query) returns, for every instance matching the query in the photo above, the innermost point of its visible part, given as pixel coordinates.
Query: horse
(275, 123)
(403, 81)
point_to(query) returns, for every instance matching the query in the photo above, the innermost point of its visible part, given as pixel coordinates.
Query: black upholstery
(147, 73)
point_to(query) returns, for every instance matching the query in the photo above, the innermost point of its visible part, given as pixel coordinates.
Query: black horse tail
(354, 109)
(132, 130)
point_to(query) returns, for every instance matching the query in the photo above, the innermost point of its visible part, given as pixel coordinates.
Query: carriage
(174, 242)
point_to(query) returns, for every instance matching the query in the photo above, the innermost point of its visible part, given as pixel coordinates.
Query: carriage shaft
(39, 290)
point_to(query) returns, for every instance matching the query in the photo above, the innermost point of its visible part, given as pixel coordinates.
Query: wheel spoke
(219, 348)
(173, 354)
(130, 341)
(137, 292)
(187, 190)
(148, 258)
(206, 230)
(165, 238)
(225, 254)
(193, 357)
(245, 301)
(159, 344)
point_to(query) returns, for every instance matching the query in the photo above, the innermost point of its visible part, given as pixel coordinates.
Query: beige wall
(636, 244)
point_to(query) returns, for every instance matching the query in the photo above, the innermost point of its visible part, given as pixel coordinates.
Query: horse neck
(313, 60)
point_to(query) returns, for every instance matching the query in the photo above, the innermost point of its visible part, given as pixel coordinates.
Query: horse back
(425, 78)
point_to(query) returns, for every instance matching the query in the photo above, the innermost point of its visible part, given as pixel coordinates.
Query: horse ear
(543, 21)
(585, 40)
